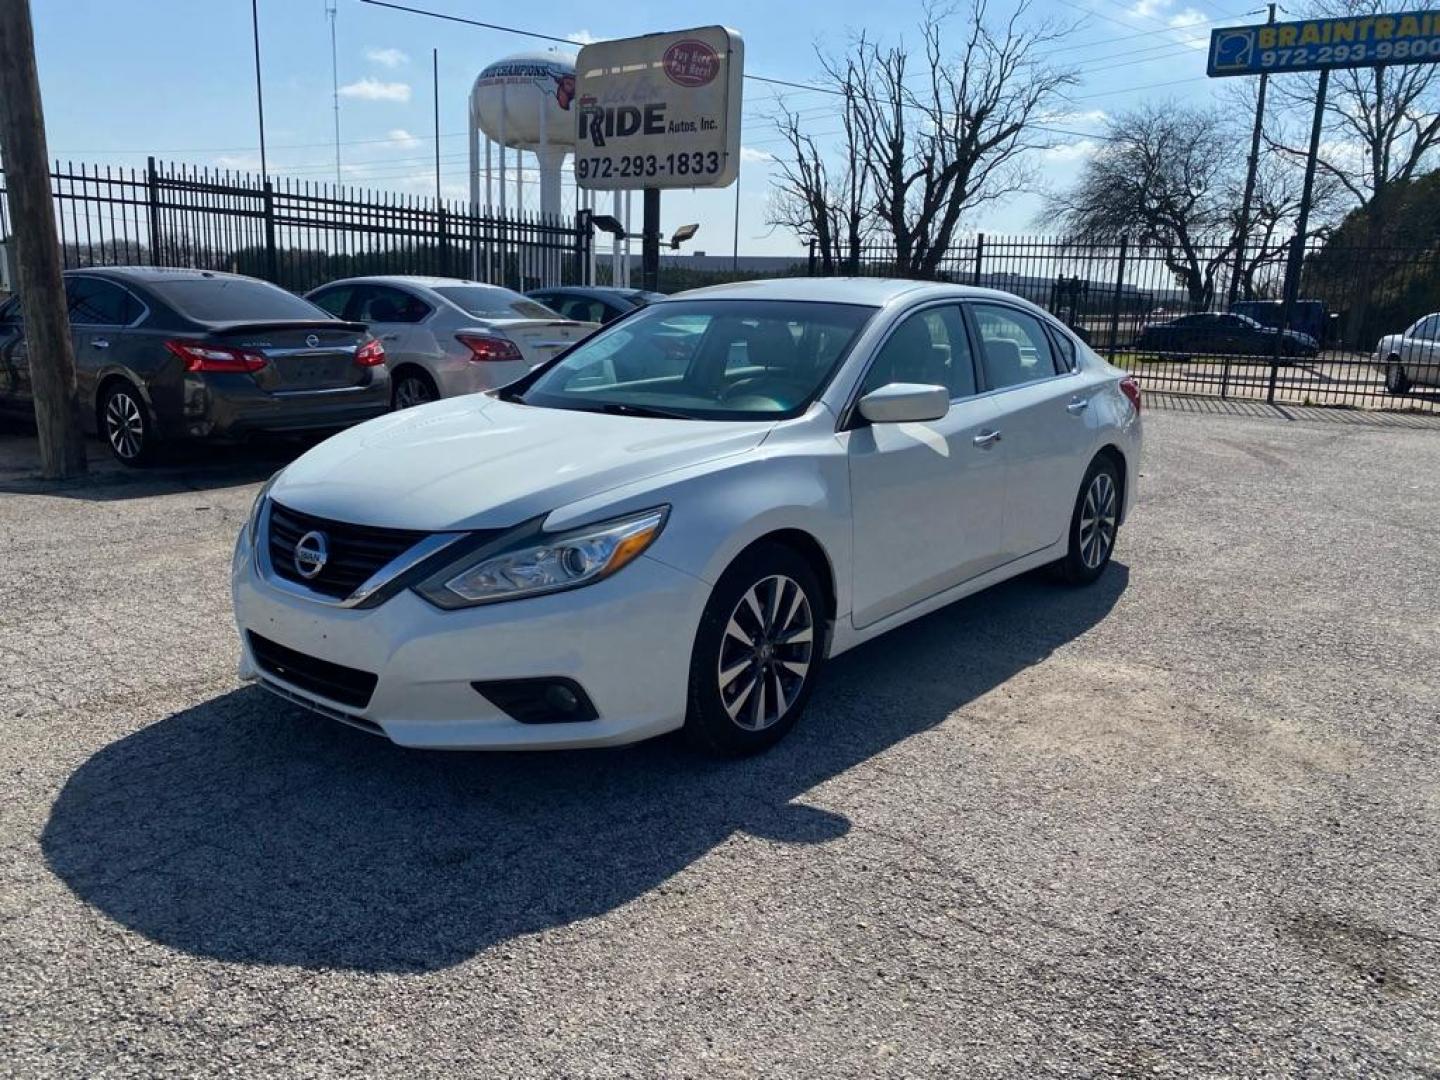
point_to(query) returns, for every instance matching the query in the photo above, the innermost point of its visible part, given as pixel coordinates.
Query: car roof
(597, 291)
(156, 273)
(423, 280)
(876, 292)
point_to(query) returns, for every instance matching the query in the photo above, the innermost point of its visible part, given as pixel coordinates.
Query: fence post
(584, 237)
(1115, 301)
(443, 240)
(152, 199)
(272, 270)
(979, 256)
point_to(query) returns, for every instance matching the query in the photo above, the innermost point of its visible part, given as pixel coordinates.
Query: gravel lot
(1184, 822)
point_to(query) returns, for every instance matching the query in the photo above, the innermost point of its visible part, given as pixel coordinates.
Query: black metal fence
(1184, 321)
(296, 233)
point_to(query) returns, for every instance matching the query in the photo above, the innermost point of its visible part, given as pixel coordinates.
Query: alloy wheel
(412, 391)
(1097, 520)
(125, 425)
(765, 653)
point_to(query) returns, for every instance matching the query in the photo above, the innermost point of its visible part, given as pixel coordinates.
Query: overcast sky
(123, 78)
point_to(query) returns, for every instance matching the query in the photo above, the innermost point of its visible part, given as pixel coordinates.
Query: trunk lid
(540, 339)
(301, 355)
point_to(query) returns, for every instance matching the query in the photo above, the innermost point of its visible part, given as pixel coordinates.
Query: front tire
(126, 425)
(1395, 379)
(1094, 524)
(758, 652)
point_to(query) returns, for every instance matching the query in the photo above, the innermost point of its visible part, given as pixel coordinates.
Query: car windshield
(226, 299)
(488, 302)
(706, 360)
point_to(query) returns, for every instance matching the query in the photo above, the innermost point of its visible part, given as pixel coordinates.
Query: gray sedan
(449, 336)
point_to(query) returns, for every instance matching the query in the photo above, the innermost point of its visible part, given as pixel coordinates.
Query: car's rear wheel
(412, 387)
(758, 651)
(1395, 379)
(126, 425)
(1094, 523)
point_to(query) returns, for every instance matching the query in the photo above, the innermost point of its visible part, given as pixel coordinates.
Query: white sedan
(448, 336)
(1411, 357)
(677, 523)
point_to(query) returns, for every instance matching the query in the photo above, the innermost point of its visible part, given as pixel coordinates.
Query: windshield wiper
(618, 408)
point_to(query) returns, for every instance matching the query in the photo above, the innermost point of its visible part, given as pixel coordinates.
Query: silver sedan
(449, 336)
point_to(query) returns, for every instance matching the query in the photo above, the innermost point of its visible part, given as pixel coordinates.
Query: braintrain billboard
(660, 111)
(1313, 44)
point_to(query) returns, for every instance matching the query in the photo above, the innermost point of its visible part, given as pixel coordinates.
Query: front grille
(347, 685)
(355, 552)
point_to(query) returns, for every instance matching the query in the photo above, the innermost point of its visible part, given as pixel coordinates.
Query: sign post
(659, 111)
(1318, 45)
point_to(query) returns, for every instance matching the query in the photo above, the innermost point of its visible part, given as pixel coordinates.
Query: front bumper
(233, 405)
(626, 640)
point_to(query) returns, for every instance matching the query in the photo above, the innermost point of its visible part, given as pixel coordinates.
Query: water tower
(523, 103)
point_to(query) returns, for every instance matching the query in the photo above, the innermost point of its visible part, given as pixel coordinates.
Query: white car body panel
(908, 517)
(1418, 354)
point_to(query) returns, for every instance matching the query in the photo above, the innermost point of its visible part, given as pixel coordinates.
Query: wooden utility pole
(37, 249)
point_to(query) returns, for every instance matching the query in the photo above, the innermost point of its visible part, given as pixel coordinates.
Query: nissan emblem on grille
(311, 551)
(313, 340)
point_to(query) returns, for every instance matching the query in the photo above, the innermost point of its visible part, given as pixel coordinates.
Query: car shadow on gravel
(246, 830)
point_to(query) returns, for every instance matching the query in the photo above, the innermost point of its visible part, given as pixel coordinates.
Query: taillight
(1131, 389)
(200, 356)
(489, 347)
(371, 354)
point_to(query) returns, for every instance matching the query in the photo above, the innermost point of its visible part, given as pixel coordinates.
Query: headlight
(252, 524)
(544, 564)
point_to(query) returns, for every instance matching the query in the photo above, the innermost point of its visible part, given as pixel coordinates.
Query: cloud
(1075, 151)
(390, 58)
(1148, 9)
(239, 162)
(583, 37)
(749, 153)
(1078, 116)
(1184, 20)
(401, 139)
(368, 89)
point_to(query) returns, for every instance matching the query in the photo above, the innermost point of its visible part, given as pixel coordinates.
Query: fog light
(539, 701)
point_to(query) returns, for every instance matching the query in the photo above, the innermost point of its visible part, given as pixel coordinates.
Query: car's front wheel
(1094, 523)
(126, 425)
(758, 651)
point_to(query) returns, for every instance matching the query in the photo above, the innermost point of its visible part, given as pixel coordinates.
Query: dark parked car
(1213, 333)
(597, 304)
(167, 354)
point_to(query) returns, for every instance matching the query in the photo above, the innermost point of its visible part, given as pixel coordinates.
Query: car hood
(476, 462)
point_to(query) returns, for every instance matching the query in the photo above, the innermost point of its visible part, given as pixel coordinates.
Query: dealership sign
(659, 111)
(1313, 44)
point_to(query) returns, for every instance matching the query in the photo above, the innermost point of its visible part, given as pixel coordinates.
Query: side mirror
(905, 403)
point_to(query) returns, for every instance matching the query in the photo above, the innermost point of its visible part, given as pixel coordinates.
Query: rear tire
(1094, 524)
(125, 425)
(1395, 379)
(758, 652)
(412, 387)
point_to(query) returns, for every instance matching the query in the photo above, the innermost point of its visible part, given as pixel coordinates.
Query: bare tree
(824, 205)
(1382, 124)
(1165, 176)
(919, 153)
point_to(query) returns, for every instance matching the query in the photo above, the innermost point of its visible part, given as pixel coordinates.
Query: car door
(100, 311)
(12, 355)
(393, 315)
(927, 498)
(1422, 341)
(1040, 408)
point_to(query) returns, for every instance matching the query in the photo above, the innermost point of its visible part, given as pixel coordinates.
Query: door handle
(1077, 405)
(99, 343)
(986, 439)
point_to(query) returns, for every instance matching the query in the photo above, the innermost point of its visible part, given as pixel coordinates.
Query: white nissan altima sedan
(679, 521)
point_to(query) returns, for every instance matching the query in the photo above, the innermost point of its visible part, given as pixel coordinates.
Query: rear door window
(94, 302)
(334, 300)
(1014, 348)
(385, 304)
